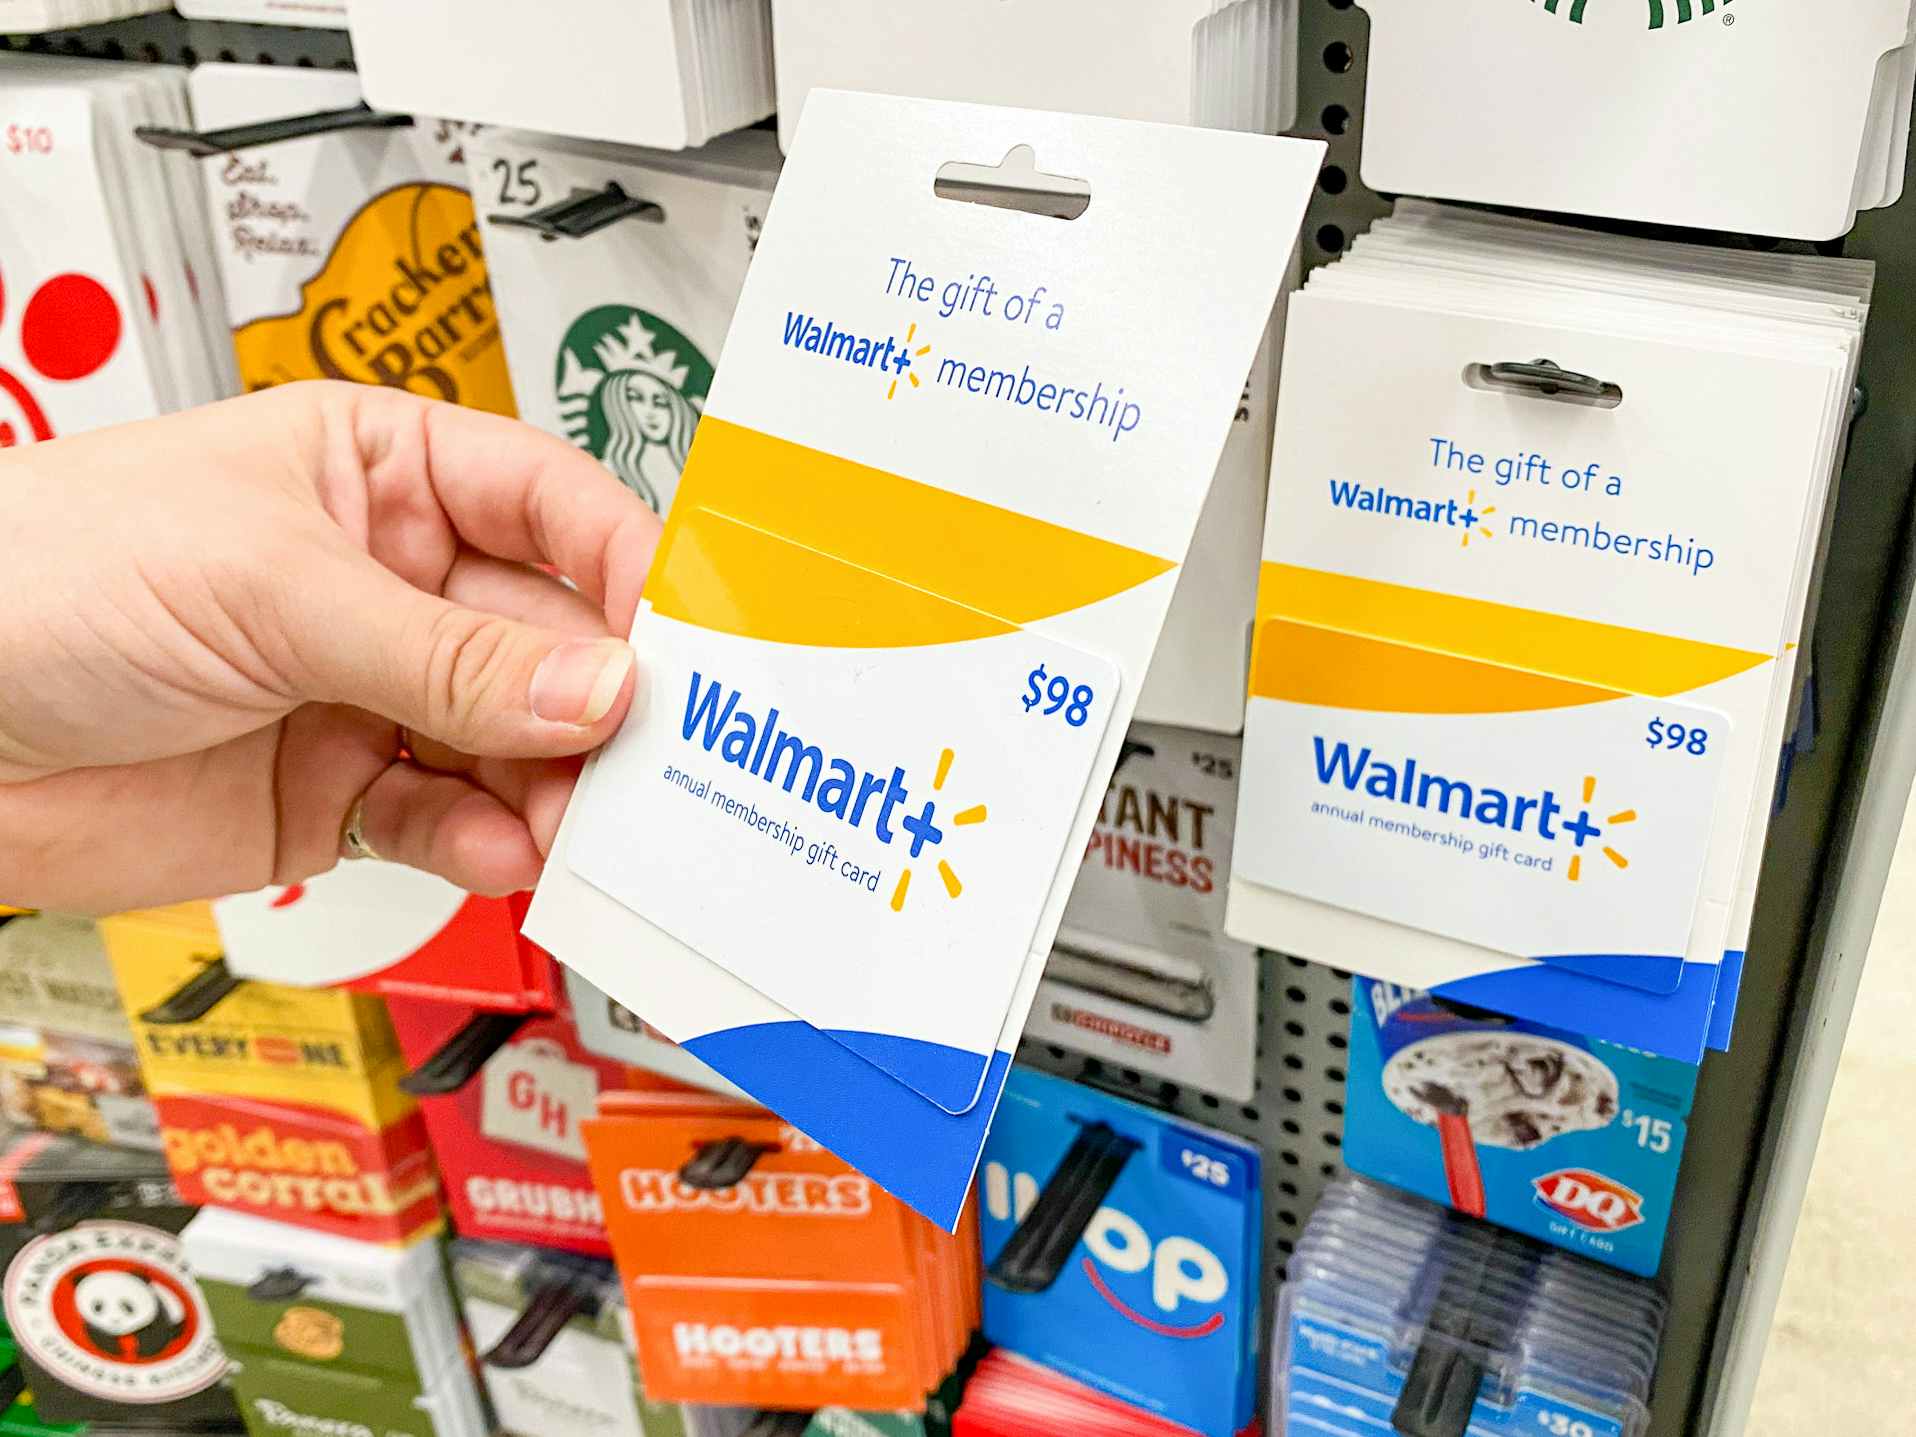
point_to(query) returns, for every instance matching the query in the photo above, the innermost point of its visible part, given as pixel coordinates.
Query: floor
(1843, 1351)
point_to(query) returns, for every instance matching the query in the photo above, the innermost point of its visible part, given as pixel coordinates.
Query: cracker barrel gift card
(353, 255)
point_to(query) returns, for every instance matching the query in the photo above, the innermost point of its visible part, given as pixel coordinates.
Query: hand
(219, 630)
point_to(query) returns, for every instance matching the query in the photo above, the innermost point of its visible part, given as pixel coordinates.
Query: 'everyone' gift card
(919, 556)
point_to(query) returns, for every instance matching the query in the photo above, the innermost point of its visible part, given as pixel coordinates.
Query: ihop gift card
(1156, 1302)
(1571, 1140)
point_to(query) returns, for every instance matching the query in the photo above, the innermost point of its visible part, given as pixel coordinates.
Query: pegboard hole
(1296, 995)
(1339, 57)
(1292, 1128)
(1332, 180)
(1291, 1095)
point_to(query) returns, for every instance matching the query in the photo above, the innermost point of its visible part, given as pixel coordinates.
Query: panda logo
(110, 1309)
(127, 1314)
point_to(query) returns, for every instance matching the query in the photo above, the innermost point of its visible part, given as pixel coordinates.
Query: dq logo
(1686, 10)
(1182, 1269)
(1590, 1200)
(69, 328)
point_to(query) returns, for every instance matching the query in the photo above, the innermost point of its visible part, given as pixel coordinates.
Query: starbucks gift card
(613, 335)
(1457, 98)
(920, 554)
(1528, 624)
(668, 75)
(348, 255)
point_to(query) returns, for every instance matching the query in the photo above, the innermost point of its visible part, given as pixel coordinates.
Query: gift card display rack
(1759, 1108)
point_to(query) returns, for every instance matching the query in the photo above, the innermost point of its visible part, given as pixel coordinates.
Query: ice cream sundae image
(1516, 1090)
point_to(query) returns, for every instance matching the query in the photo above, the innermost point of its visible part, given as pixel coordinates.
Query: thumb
(478, 682)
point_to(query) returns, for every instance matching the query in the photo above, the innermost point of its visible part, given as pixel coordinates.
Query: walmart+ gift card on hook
(919, 558)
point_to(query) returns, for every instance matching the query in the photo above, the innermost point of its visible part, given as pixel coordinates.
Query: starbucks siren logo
(1660, 10)
(631, 389)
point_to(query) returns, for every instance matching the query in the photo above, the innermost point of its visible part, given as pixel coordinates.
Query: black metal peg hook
(269, 132)
(549, 1309)
(462, 1056)
(196, 997)
(280, 1284)
(724, 1163)
(1037, 1251)
(585, 212)
(1545, 378)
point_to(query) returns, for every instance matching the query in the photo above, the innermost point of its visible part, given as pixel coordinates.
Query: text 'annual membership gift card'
(920, 554)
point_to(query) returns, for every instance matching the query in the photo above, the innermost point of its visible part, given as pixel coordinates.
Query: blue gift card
(1573, 1141)
(1157, 1303)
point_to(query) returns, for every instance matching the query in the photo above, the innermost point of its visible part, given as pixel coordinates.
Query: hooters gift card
(389, 928)
(762, 1271)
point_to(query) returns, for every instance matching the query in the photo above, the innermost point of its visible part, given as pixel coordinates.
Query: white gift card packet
(612, 336)
(669, 74)
(1229, 64)
(1771, 119)
(317, 14)
(107, 293)
(31, 17)
(1545, 516)
(1142, 975)
(921, 552)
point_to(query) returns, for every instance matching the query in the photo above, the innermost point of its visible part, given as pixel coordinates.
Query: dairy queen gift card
(918, 559)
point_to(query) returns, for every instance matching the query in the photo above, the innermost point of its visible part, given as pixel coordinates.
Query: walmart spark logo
(1472, 518)
(924, 833)
(1686, 10)
(764, 745)
(890, 356)
(1408, 782)
(1586, 831)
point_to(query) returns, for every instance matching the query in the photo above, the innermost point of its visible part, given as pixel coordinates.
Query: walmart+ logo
(718, 720)
(891, 356)
(1541, 815)
(1660, 10)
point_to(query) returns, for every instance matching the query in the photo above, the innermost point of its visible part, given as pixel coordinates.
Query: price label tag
(535, 1096)
(1197, 1159)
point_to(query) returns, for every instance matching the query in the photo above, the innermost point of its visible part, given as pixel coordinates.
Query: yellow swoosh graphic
(772, 540)
(1345, 642)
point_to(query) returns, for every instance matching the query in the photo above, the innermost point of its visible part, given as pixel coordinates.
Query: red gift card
(508, 1137)
(302, 1165)
(386, 928)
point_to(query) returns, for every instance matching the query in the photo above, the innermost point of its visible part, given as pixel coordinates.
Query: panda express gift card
(914, 572)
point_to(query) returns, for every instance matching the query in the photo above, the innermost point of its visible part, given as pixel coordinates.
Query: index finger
(505, 488)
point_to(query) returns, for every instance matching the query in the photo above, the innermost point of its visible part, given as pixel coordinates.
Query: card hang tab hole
(1015, 183)
(1544, 379)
